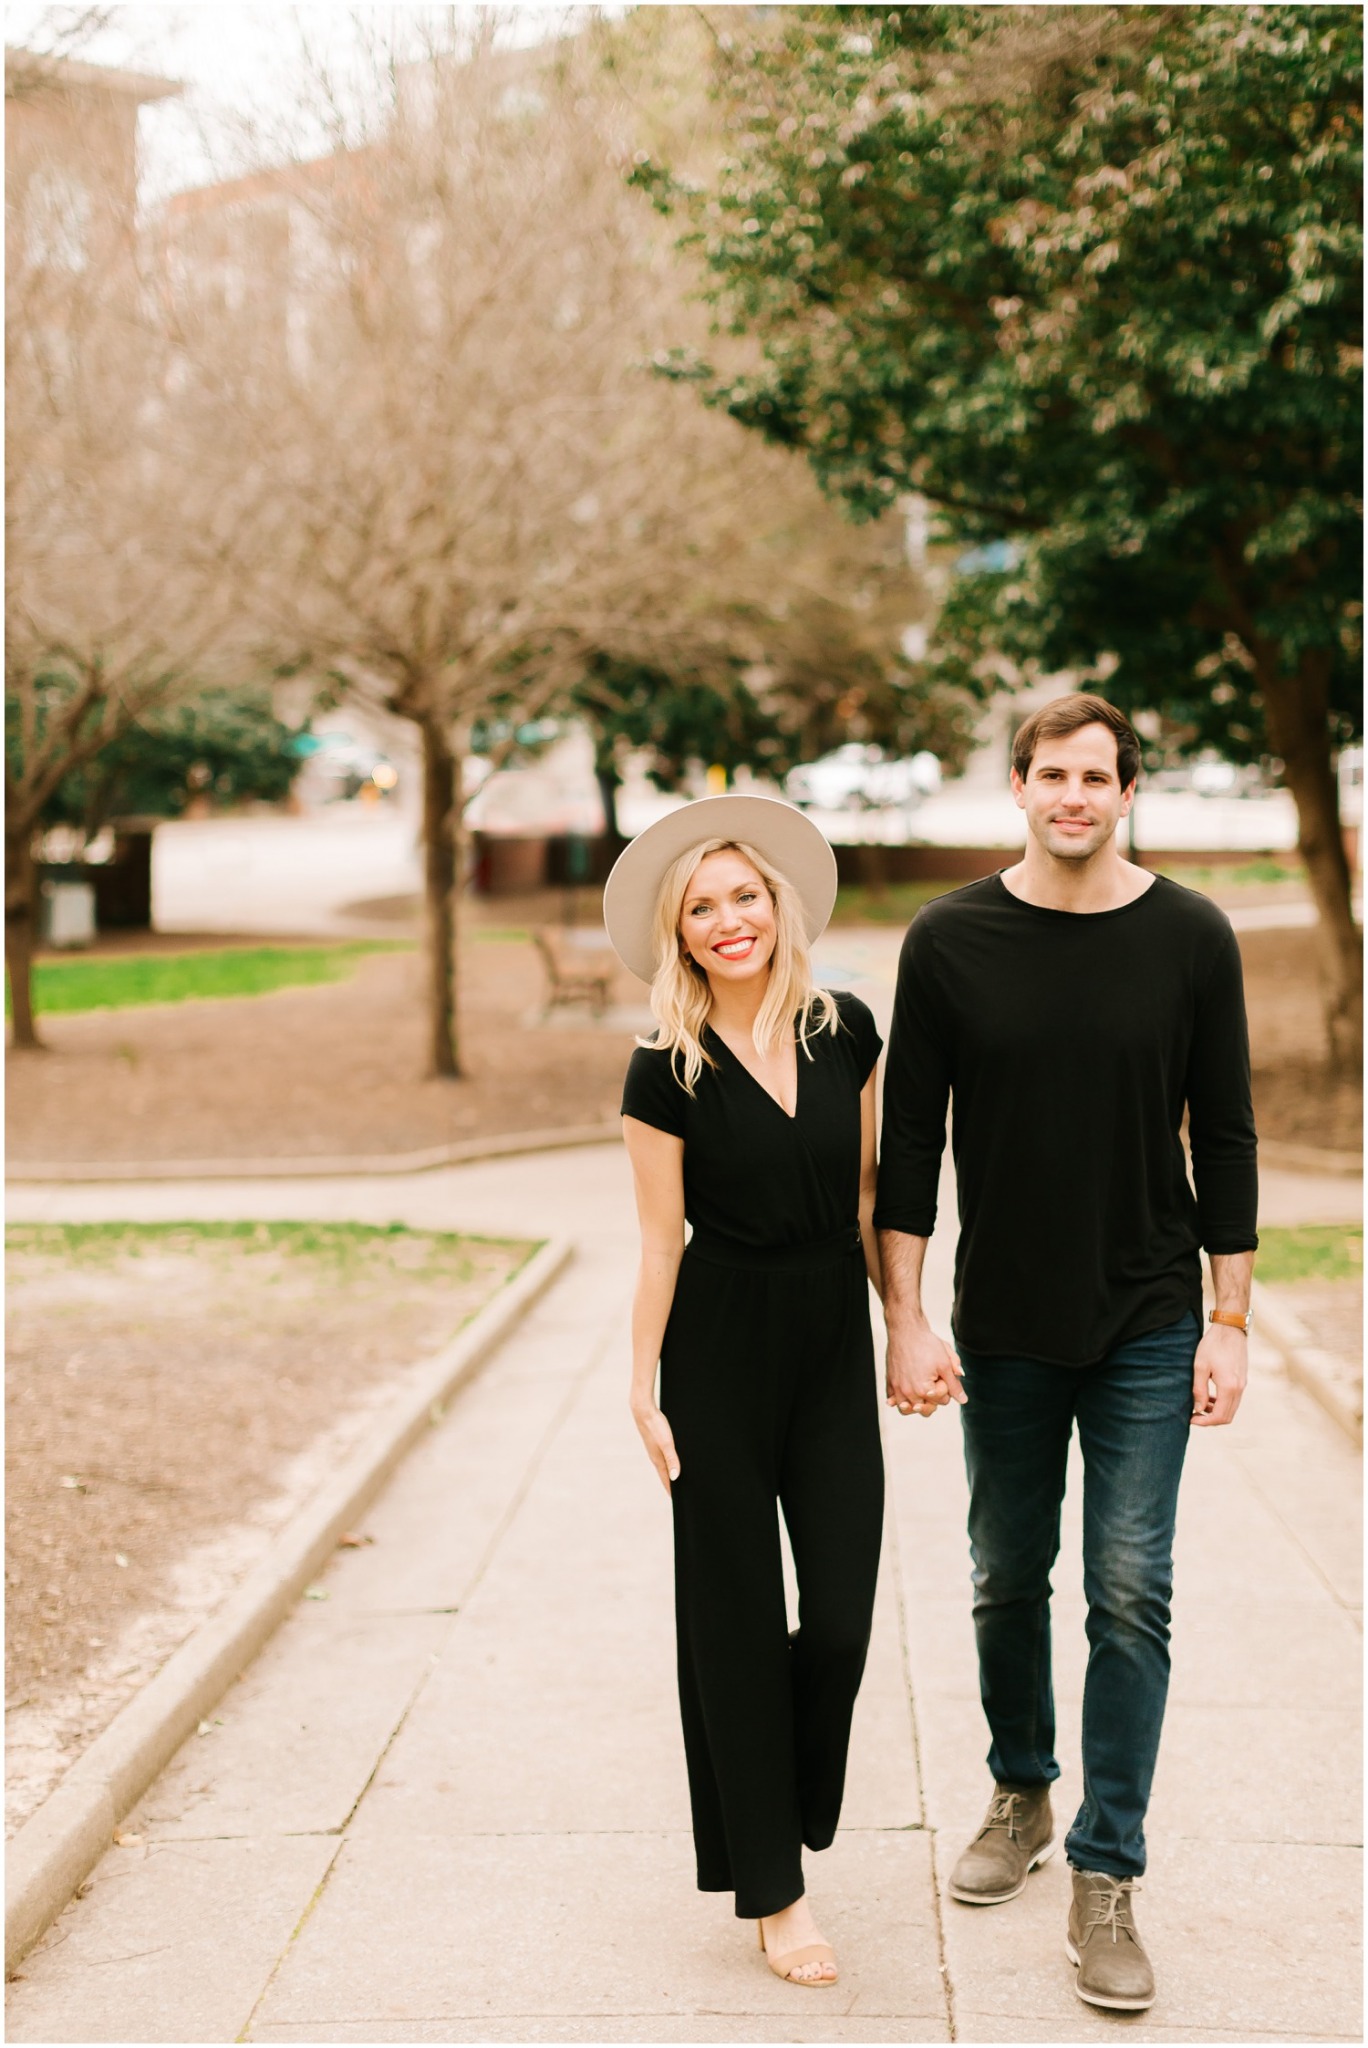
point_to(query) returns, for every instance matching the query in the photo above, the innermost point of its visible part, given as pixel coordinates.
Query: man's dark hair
(1070, 714)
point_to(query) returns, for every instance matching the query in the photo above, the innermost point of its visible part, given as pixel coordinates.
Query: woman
(750, 1115)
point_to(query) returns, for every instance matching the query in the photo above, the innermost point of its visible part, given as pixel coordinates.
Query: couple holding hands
(1071, 1009)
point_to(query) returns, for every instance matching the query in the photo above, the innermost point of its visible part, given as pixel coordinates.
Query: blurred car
(857, 777)
(1215, 778)
(1209, 775)
(338, 766)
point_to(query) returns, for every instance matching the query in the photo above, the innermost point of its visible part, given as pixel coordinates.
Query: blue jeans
(1132, 1412)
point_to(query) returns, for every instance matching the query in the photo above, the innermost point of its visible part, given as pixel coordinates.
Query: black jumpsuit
(767, 1381)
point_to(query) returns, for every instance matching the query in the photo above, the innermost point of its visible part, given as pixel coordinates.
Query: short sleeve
(858, 1020)
(651, 1093)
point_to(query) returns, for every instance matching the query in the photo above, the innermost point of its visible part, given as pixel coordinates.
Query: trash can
(68, 914)
(508, 866)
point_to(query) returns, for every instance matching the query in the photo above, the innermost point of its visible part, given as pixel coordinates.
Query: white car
(857, 777)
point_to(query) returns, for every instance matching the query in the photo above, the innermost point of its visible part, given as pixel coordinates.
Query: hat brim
(787, 839)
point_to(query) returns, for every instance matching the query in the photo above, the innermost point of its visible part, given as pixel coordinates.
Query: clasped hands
(922, 1372)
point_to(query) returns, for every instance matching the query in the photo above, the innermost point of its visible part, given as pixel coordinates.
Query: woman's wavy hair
(681, 997)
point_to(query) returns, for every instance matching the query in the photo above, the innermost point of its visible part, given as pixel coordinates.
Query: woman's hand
(658, 1439)
(922, 1372)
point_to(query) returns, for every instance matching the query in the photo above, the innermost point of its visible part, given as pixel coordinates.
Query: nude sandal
(783, 1966)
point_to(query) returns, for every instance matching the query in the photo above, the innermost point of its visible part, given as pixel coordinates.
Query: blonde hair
(680, 996)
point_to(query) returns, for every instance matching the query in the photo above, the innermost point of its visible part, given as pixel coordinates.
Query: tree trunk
(874, 868)
(609, 783)
(441, 852)
(21, 898)
(1297, 712)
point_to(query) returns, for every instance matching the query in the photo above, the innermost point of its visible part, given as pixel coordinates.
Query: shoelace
(1110, 1899)
(1002, 1814)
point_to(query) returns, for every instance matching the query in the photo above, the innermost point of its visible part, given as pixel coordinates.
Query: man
(1072, 1006)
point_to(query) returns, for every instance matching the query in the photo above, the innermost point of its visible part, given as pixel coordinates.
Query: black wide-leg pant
(767, 1381)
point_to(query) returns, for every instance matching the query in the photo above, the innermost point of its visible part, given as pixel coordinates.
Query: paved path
(448, 1802)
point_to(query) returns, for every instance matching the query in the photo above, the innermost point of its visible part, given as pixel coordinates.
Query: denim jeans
(1132, 1412)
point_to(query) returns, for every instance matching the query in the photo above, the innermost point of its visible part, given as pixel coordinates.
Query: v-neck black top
(753, 1174)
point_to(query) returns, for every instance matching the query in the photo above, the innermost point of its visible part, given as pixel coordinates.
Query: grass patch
(1243, 875)
(336, 1263)
(1315, 1251)
(344, 1246)
(896, 904)
(120, 981)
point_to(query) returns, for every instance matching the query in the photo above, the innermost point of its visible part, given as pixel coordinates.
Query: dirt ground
(339, 1070)
(172, 1394)
(315, 1071)
(1296, 1101)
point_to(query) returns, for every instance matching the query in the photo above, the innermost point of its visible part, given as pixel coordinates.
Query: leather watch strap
(1232, 1317)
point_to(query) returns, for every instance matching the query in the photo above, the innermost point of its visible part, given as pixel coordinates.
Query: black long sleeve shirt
(1070, 1045)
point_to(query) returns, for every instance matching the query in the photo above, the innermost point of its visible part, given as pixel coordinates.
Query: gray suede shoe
(1017, 1834)
(1113, 1969)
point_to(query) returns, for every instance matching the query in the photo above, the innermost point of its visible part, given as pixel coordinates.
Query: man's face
(1072, 794)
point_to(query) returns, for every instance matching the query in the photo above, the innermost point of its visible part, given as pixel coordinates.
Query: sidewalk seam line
(486, 1558)
(942, 1956)
(1344, 1606)
(295, 1932)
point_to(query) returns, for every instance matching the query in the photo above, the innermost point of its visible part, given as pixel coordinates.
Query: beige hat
(788, 840)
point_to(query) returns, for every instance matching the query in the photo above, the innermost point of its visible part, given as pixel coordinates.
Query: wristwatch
(1231, 1316)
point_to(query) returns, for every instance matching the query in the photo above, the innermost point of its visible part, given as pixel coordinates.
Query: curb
(1308, 1158)
(60, 1844)
(463, 1153)
(1314, 1370)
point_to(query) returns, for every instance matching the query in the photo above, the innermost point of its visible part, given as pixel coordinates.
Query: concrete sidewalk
(448, 1801)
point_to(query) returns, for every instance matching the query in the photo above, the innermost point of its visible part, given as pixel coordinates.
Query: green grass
(117, 981)
(344, 1246)
(1315, 1251)
(1245, 874)
(897, 904)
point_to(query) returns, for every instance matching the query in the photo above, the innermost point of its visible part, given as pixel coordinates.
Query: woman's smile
(727, 918)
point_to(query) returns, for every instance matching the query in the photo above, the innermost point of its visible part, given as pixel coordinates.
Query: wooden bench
(580, 966)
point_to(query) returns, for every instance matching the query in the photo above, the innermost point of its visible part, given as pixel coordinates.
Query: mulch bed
(1296, 1100)
(172, 1394)
(338, 1070)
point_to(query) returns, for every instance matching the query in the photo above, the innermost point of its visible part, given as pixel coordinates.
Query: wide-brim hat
(788, 840)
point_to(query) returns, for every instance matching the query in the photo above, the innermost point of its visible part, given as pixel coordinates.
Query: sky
(245, 69)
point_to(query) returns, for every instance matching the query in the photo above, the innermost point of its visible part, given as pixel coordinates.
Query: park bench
(580, 965)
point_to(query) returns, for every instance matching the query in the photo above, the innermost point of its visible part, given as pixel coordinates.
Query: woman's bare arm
(869, 1173)
(658, 1173)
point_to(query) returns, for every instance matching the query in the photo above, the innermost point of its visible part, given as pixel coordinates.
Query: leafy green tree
(224, 743)
(1088, 279)
(679, 721)
(767, 717)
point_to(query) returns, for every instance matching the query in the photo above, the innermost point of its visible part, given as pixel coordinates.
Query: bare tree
(116, 545)
(55, 42)
(443, 357)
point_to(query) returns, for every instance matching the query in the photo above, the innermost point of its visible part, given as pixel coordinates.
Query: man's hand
(922, 1371)
(1219, 1372)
